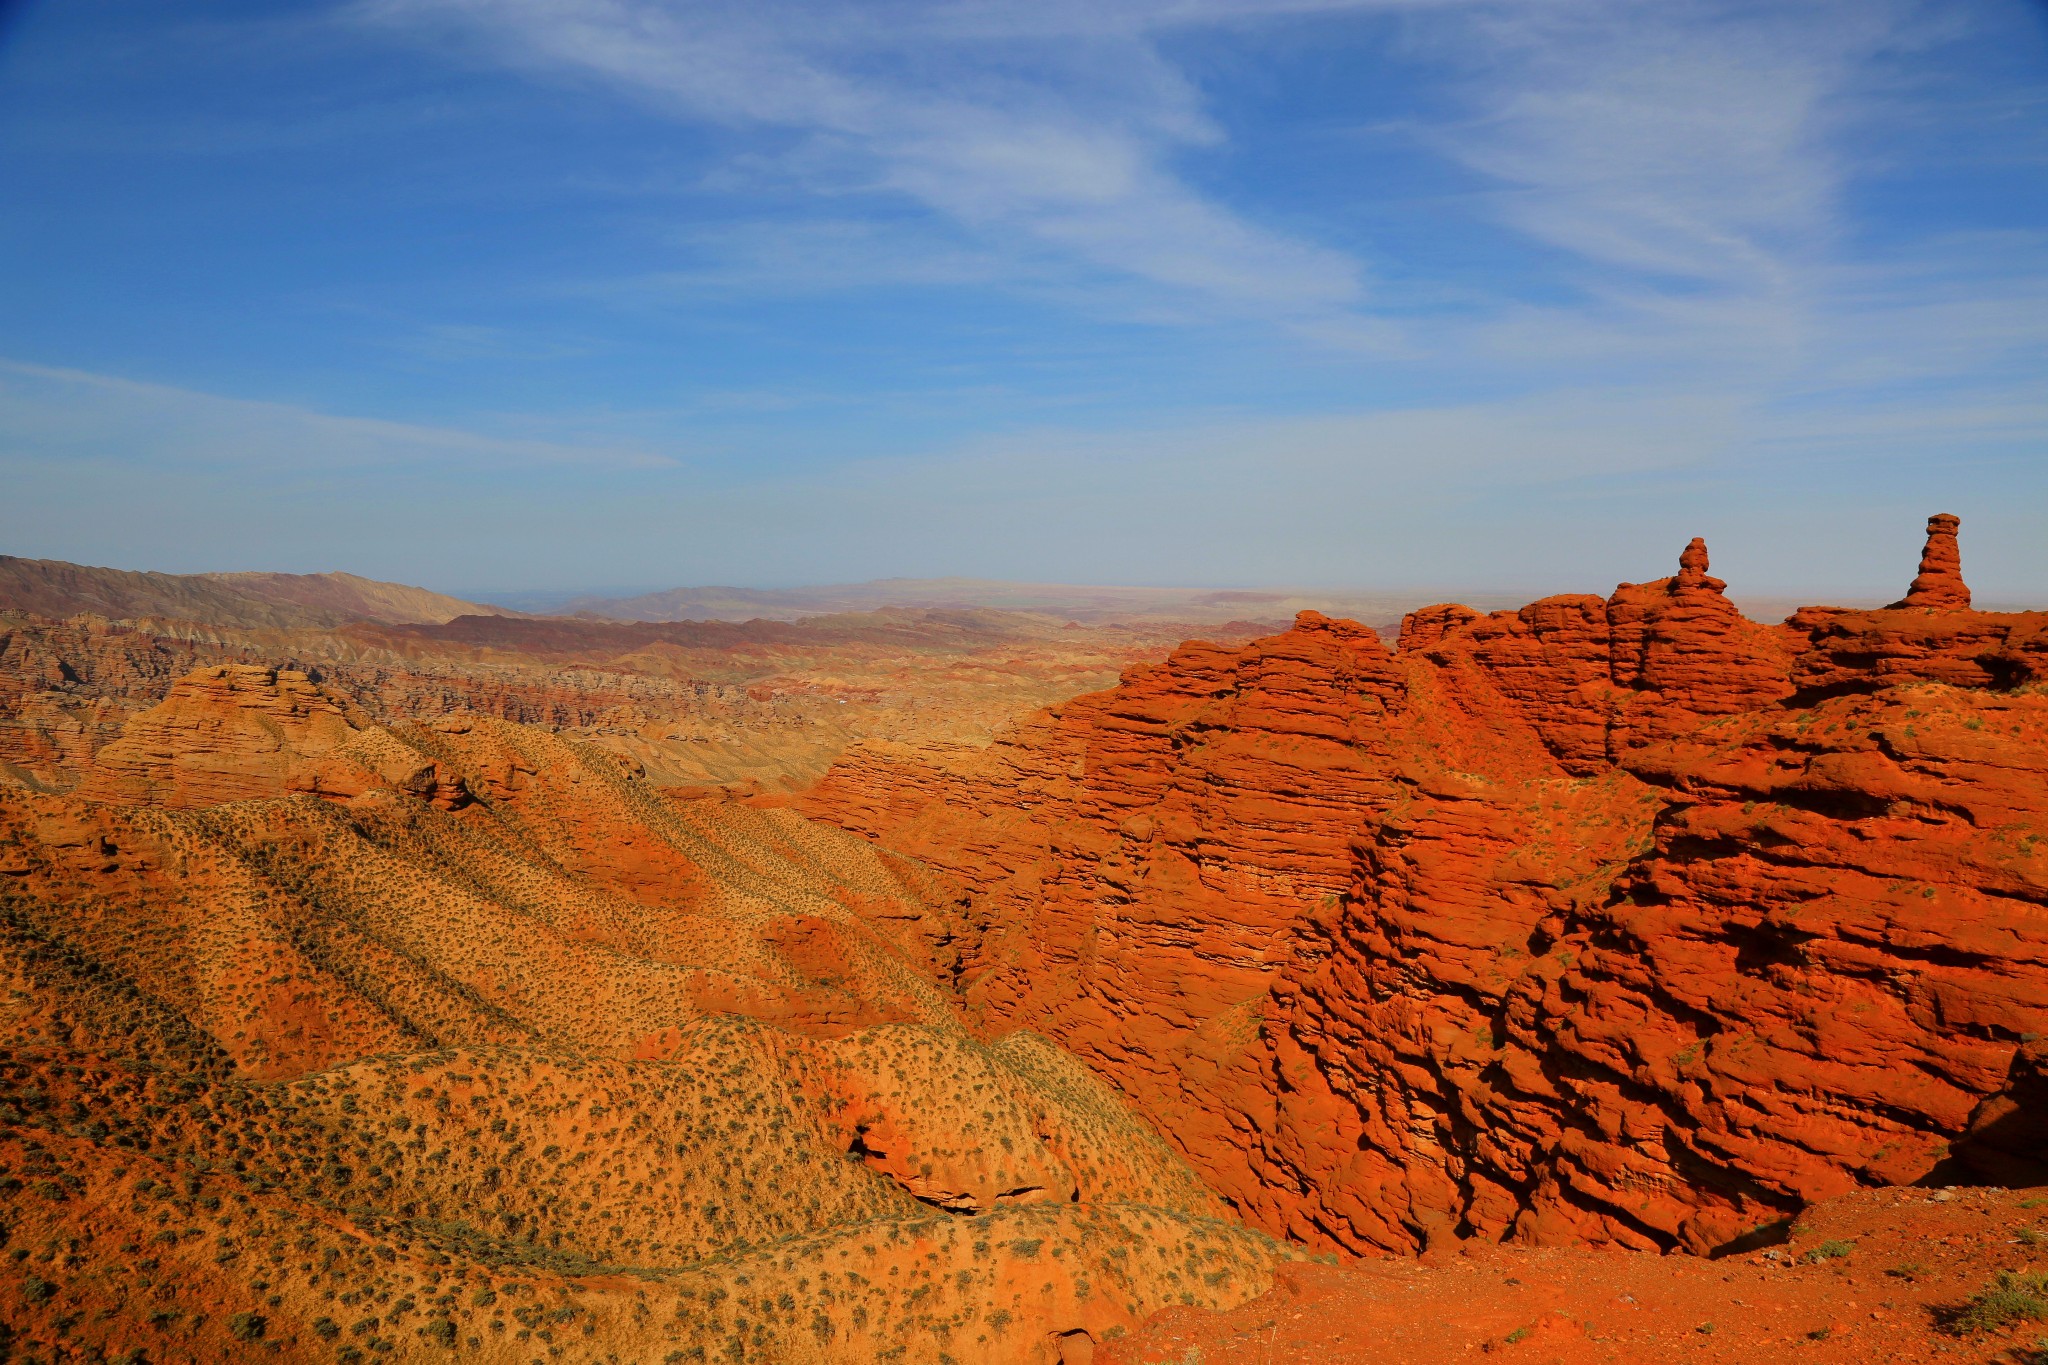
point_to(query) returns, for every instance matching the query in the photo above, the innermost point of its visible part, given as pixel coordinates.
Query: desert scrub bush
(2008, 1299)
(1827, 1251)
(247, 1326)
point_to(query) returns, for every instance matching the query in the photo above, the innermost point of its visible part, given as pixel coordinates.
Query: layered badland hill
(331, 1039)
(368, 994)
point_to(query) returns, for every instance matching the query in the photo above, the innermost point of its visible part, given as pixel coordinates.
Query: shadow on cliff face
(1775, 1233)
(2007, 1140)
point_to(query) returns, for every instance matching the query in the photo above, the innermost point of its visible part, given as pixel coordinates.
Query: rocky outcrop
(1623, 920)
(231, 732)
(1595, 679)
(67, 688)
(1844, 651)
(226, 733)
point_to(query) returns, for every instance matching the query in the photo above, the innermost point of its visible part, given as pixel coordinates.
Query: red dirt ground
(1872, 1276)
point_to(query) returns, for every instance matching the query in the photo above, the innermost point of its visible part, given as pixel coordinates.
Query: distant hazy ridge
(250, 601)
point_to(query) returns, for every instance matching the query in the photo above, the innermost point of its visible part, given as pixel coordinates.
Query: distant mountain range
(248, 601)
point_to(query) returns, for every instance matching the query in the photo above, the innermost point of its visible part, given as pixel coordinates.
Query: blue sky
(569, 293)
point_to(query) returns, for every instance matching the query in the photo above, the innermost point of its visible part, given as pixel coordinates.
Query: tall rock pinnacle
(1940, 583)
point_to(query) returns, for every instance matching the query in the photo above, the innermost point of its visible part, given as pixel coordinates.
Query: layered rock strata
(1625, 920)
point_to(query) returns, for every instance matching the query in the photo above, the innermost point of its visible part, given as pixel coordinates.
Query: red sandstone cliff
(1628, 920)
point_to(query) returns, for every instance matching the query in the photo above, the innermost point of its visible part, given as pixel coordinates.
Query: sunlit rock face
(1626, 921)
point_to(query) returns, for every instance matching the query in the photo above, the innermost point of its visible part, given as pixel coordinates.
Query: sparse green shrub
(1827, 1251)
(2008, 1299)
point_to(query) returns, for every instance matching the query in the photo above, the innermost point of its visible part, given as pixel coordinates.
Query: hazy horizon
(552, 599)
(494, 596)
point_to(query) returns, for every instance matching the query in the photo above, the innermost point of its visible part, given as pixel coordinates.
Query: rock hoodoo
(1625, 921)
(1692, 567)
(1940, 581)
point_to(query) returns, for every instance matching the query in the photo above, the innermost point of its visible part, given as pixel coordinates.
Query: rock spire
(1940, 582)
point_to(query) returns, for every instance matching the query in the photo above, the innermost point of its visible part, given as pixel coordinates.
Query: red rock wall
(1133, 861)
(1625, 921)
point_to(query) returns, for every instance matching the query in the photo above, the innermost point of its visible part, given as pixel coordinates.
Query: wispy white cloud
(1694, 165)
(1686, 159)
(1069, 148)
(1682, 140)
